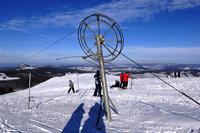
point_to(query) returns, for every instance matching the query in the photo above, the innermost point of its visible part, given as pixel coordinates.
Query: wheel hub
(101, 38)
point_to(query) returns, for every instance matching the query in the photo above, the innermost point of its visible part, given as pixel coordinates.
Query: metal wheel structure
(108, 32)
(97, 34)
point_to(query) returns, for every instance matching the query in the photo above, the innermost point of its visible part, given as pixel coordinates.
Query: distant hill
(39, 74)
(43, 73)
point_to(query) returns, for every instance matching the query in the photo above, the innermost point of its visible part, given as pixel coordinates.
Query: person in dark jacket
(117, 84)
(97, 77)
(175, 74)
(71, 86)
(125, 78)
(179, 74)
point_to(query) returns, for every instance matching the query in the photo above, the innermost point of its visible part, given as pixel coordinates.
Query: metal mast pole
(29, 86)
(77, 80)
(99, 40)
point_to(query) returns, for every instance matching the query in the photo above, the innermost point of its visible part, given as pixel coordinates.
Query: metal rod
(108, 29)
(159, 78)
(131, 83)
(115, 109)
(99, 115)
(108, 49)
(103, 78)
(98, 25)
(91, 62)
(29, 95)
(89, 28)
(87, 37)
(70, 57)
(100, 111)
(77, 80)
(112, 41)
(89, 50)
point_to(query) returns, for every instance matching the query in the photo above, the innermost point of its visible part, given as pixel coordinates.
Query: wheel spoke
(115, 49)
(90, 28)
(113, 41)
(98, 20)
(91, 47)
(108, 49)
(87, 37)
(108, 29)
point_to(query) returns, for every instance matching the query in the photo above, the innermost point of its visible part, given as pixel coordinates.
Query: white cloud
(15, 24)
(171, 51)
(48, 37)
(164, 54)
(182, 4)
(182, 54)
(119, 10)
(48, 57)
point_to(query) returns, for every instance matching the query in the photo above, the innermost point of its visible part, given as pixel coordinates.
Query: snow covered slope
(150, 106)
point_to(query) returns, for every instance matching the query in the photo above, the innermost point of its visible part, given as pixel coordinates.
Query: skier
(175, 74)
(179, 74)
(97, 77)
(121, 80)
(71, 86)
(125, 80)
(117, 84)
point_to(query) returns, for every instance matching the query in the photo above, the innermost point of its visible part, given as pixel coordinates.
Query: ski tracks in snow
(5, 127)
(43, 127)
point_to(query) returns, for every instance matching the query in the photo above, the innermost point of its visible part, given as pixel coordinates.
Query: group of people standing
(123, 83)
(97, 91)
(177, 74)
(124, 80)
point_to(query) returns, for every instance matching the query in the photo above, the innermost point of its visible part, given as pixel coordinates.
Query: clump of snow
(84, 68)
(150, 106)
(26, 67)
(4, 77)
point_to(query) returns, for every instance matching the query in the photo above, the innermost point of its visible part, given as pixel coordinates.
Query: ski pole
(131, 82)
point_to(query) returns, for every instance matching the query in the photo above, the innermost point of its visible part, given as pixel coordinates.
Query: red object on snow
(126, 76)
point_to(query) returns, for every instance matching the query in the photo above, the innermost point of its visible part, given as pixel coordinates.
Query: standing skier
(175, 74)
(179, 74)
(125, 78)
(71, 86)
(97, 77)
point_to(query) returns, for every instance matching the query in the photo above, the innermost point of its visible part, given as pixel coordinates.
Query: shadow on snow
(74, 122)
(89, 126)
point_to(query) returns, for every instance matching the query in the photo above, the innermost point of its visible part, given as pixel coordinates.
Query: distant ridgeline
(18, 78)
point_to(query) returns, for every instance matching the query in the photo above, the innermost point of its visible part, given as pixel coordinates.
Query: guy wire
(37, 53)
(156, 76)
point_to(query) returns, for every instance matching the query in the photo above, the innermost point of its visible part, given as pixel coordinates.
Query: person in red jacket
(125, 78)
(121, 80)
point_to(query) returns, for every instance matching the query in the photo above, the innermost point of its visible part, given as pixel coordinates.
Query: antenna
(94, 33)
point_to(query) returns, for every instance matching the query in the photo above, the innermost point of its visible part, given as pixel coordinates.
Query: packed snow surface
(149, 106)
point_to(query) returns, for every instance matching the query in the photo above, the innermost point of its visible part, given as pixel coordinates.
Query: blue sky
(155, 31)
